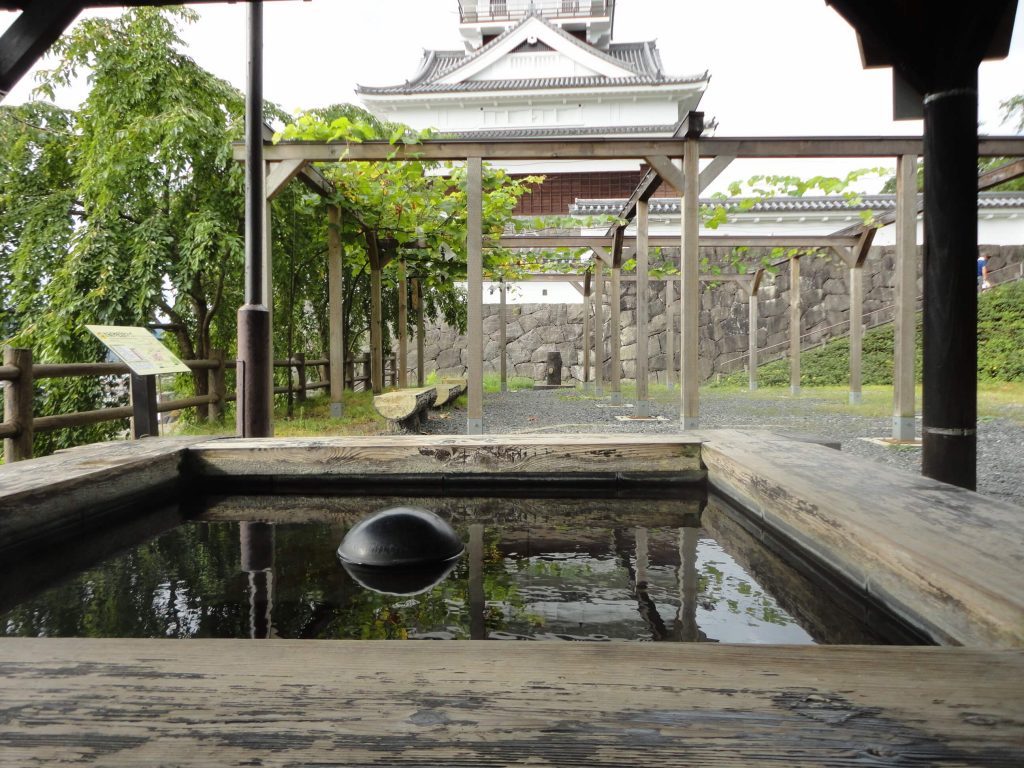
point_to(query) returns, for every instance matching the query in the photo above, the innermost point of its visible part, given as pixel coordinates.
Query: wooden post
(217, 386)
(376, 332)
(417, 298)
(586, 337)
(403, 322)
(367, 371)
(598, 327)
(144, 415)
(477, 598)
(670, 334)
(475, 280)
(502, 336)
(903, 395)
(752, 325)
(335, 298)
(615, 334)
(643, 405)
(794, 325)
(689, 357)
(856, 331)
(18, 405)
(300, 365)
(687, 617)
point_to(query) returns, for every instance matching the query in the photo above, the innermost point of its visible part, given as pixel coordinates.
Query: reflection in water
(542, 580)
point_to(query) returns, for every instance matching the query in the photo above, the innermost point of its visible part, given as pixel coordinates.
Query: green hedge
(1000, 349)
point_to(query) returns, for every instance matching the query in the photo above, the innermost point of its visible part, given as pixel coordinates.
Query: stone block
(628, 352)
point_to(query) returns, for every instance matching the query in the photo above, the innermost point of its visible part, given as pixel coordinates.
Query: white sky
(784, 67)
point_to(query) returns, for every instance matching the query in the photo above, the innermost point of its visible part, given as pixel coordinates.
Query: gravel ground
(1000, 441)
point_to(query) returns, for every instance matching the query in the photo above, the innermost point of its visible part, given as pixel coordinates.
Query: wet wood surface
(394, 703)
(410, 455)
(52, 495)
(948, 560)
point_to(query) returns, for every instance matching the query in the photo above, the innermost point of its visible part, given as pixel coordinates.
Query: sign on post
(140, 350)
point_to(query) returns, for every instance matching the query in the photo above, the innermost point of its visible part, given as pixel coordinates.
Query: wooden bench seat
(406, 407)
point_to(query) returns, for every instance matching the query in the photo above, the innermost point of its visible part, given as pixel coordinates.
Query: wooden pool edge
(283, 702)
(947, 561)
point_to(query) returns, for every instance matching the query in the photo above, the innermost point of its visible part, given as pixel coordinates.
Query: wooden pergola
(850, 244)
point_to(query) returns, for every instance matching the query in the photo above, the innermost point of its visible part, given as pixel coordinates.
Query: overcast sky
(778, 67)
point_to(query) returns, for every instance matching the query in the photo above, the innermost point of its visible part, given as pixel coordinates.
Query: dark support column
(256, 541)
(144, 416)
(950, 285)
(255, 395)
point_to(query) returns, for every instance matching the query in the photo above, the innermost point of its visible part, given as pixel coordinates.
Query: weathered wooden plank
(949, 561)
(204, 702)
(56, 495)
(387, 455)
(584, 512)
(620, 148)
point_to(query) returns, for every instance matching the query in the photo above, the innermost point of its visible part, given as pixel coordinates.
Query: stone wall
(536, 329)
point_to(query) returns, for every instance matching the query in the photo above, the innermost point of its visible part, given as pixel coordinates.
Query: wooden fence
(20, 423)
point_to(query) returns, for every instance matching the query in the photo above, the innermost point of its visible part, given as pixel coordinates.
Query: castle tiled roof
(837, 204)
(642, 59)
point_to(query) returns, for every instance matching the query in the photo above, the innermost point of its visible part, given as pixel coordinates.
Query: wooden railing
(20, 424)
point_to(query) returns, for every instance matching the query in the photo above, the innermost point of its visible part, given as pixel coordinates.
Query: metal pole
(598, 327)
(403, 323)
(949, 450)
(255, 395)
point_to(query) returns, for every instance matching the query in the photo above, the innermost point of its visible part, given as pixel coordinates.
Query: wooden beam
(599, 243)
(689, 352)
(622, 148)
(1004, 173)
(417, 303)
(475, 288)
(586, 334)
(615, 335)
(714, 169)
(753, 323)
(280, 174)
(856, 331)
(904, 423)
(643, 404)
(599, 328)
(30, 36)
(668, 172)
(794, 325)
(309, 175)
(578, 286)
(602, 253)
(403, 325)
(670, 331)
(335, 298)
(503, 338)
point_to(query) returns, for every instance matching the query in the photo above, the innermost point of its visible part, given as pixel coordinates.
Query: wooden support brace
(280, 174)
